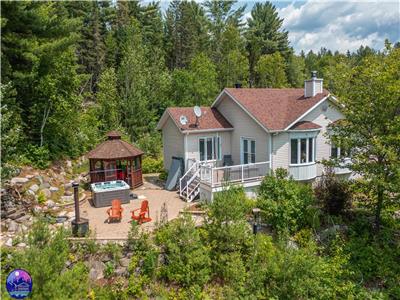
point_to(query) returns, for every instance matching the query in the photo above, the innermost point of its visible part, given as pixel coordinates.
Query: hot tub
(104, 192)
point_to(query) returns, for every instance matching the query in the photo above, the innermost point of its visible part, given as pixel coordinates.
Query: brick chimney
(313, 86)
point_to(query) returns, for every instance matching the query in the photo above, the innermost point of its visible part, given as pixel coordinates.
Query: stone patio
(151, 191)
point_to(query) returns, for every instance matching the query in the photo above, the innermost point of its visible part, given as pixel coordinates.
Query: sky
(336, 25)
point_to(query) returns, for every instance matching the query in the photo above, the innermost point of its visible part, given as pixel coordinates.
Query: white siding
(323, 118)
(172, 142)
(193, 143)
(280, 150)
(244, 126)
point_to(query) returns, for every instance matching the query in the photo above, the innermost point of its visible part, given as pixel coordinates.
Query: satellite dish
(183, 120)
(197, 111)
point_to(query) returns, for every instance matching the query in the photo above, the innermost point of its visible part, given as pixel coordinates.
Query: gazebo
(115, 159)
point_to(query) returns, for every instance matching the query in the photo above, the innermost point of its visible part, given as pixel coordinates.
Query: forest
(71, 71)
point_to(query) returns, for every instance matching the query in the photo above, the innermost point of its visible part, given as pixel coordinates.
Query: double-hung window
(210, 148)
(302, 150)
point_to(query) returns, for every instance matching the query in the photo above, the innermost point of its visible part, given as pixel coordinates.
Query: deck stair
(189, 183)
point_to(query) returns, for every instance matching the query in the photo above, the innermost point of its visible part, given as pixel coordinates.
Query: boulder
(67, 198)
(120, 271)
(21, 245)
(53, 189)
(23, 219)
(34, 188)
(19, 180)
(62, 213)
(9, 242)
(68, 193)
(37, 209)
(45, 185)
(18, 214)
(68, 163)
(96, 269)
(30, 176)
(30, 193)
(12, 226)
(124, 262)
(47, 193)
(68, 186)
(50, 203)
(71, 214)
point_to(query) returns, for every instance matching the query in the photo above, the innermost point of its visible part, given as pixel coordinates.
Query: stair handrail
(194, 166)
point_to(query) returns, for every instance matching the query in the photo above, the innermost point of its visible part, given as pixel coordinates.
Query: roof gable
(274, 109)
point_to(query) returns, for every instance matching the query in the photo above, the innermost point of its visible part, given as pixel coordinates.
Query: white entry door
(247, 151)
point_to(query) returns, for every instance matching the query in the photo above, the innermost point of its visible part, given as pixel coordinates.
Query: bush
(45, 260)
(333, 194)
(285, 203)
(187, 259)
(152, 165)
(276, 272)
(39, 157)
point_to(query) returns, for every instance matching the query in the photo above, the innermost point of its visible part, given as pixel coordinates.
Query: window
(302, 150)
(339, 152)
(210, 148)
(248, 151)
(293, 151)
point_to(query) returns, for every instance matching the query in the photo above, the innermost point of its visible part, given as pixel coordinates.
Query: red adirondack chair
(115, 211)
(142, 211)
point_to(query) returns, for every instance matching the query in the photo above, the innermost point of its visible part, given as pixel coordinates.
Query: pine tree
(265, 34)
(185, 33)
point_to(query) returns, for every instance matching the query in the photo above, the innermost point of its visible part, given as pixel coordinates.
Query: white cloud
(341, 25)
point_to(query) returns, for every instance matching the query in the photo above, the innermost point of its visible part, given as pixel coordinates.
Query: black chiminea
(80, 226)
(238, 85)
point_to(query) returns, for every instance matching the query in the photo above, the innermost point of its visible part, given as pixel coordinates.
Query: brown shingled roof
(210, 119)
(114, 148)
(304, 125)
(275, 109)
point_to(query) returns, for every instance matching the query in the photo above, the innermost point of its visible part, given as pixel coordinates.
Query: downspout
(185, 150)
(270, 151)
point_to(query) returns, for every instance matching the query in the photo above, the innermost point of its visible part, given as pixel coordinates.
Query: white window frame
(314, 150)
(339, 153)
(242, 138)
(216, 147)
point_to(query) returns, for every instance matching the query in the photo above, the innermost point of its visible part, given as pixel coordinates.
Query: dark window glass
(253, 151)
(334, 151)
(209, 149)
(310, 150)
(245, 152)
(293, 151)
(303, 151)
(202, 150)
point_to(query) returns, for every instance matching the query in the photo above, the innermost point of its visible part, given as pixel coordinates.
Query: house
(246, 133)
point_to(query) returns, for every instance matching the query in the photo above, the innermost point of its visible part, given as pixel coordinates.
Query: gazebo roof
(114, 148)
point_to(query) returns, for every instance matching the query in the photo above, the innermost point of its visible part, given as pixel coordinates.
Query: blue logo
(19, 284)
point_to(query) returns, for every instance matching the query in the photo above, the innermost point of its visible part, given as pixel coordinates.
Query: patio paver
(156, 197)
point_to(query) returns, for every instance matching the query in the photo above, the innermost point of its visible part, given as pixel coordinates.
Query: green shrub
(285, 203)
(333, 194)
(152, 165)
(187, 259)
(45, 260)
(276, 272)
(163, 175)
(39, 157)
(41, 198)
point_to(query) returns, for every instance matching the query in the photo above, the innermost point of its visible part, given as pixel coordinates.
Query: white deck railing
(233, 174)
